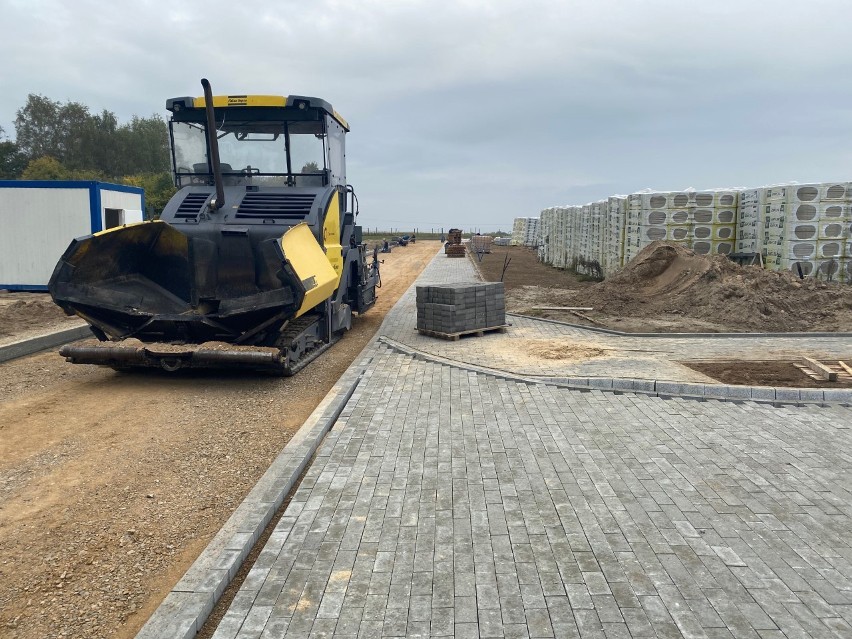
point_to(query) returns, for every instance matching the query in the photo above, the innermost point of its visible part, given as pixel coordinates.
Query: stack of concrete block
(807, 227)
(458, 308)
(751, 218)
(454, 247)
(525, 231)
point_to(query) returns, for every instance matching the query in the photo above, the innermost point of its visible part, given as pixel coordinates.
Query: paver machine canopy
(255, 262)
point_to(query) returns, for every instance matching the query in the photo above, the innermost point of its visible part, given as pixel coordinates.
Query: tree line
(66, 141)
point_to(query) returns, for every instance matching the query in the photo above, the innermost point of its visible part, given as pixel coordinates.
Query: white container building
(39, 218)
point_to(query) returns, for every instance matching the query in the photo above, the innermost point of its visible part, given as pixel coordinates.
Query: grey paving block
(787, 394)
(600, 382)
(838, 395)
(39, 343)
(679, 388)
(644, 385)
(811, 395)
(763, 392)
(621, 384)
(180, 615)
(725, 391)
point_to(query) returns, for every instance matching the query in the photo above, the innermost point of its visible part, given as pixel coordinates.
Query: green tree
(146, 145)
(49, 168)
(45, 168)
(95, 144)
(36, 128)
(74, 143)
(81, 141)
(12, 161)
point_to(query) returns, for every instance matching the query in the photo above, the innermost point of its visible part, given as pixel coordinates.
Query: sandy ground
(112, 483)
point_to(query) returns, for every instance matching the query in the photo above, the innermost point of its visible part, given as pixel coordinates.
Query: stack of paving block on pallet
(454, 246)
(460, 308)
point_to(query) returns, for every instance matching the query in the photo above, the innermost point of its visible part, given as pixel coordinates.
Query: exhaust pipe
(213, 143)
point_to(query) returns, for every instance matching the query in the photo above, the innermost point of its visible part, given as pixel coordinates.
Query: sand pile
(671, 279)
(28, 311)
(555, 349)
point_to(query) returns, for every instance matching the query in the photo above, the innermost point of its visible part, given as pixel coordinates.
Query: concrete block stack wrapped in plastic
(615, 219)
(531, 237)
(798, 227)
(574, 235)
(590, 223)
(563, 231)
(713, 215)
(808, 227)
(525, 231)
(545, 228)
(703, 220)
(750, 220)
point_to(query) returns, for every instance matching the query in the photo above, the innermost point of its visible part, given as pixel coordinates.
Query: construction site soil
(112, 483)
(24, 314)
(766, 373)
(667, 288)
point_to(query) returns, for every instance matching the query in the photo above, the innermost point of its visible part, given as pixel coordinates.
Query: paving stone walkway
(447, 502)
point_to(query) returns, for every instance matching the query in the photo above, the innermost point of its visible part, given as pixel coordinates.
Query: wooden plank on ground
(845, 367)
(807, 371)
(820, 369)
(586, 317)
(563, 308)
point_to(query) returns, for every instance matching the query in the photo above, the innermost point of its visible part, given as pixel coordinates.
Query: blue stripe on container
(23, 287)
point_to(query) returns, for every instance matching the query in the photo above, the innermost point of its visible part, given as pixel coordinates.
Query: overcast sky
(472, 113)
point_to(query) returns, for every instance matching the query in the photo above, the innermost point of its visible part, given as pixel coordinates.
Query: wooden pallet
(837, 371)
(478, 332)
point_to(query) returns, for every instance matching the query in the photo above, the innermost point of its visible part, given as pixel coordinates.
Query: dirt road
(112, 483)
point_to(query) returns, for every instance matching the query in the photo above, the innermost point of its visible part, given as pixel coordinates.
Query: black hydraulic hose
(212, 141)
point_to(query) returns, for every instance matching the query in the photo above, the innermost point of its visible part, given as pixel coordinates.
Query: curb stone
(39, 343)
(658, 388)
(609, 331)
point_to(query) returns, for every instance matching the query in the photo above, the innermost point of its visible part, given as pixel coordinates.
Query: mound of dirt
(21, 312)
(669, 279)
